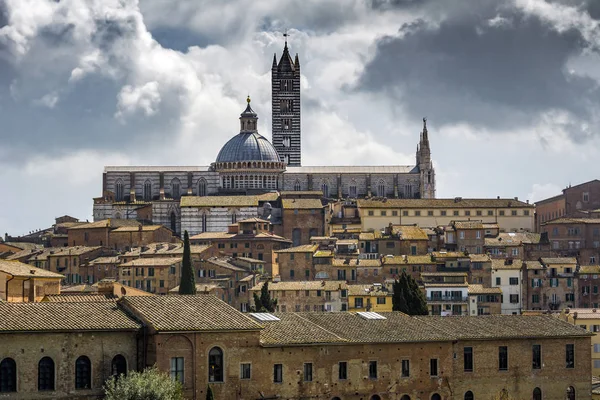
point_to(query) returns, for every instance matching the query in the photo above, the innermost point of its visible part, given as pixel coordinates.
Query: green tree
(150, 384)
(264, 303)
(407, 296)
(209, 394)
(188, 282)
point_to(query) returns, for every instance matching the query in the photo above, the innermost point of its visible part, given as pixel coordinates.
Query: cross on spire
(285, 35)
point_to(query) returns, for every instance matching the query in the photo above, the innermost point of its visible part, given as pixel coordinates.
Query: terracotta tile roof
(558, 260)
(442, 203)
(407, 260)
(227, 201)
(368, 290)
(73, 251)
(573, 221)
(250, 260)
(263, 221)
(479, 289)
(503, 326)
(107, 223)
(323, 253)
(294, 193)
(303, 285)
(224, 263)
(24, 245)
(204, 312)
(144, 228)
(305, 248)
(167, 249)
(447, 284)
(584, 313)
(513, 239)
(16, 268)
(201, 288)
(105, 260)
(410, 232)
(152, 262)
(301, 204)
(355, 262)
(449, 254)
(534, 265)
(501, 264)
(367, 236)
(83, 288)
(589, 269)
(487, 225)
(467, 224)
(74, 298)
(479, 258)
(71, 316)
(444, 274)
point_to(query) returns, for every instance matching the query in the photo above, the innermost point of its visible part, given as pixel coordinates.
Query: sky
(510, 89)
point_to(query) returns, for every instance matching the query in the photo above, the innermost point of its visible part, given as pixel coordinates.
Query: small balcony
(447, 299)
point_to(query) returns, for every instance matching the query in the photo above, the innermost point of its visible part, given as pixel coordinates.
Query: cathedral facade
(249, 172)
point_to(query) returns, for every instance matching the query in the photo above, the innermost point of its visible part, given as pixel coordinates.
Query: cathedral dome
(248, 146)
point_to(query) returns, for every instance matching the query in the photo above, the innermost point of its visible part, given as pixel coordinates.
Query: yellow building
(511, 215)
(21, 282)
(376, 298)
(589, 319)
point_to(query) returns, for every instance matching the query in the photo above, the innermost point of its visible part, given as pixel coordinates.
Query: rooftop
(303, 285)
(558, 260)
(143, 228)
(442, 203)
(480, 289)
(204, 312)
(467, 224)
(411, 232)
(301, 204)
(305, 248)
(61, 316)
(152, 262)
(107, 223)
(19, 269)
(227, 201)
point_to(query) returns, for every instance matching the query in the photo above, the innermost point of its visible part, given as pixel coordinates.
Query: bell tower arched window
(215, 365)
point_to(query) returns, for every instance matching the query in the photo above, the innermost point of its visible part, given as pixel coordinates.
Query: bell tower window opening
(286, 85)
(286, 124)
(287, 141)
(297, 186)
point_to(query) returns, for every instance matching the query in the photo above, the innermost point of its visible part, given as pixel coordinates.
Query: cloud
(500, 66)
(541, 191)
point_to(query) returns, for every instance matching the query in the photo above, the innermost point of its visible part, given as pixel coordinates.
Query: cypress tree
(398, 298)
(407, 297)
(266, 304)
(209, 394)
(418, 303)
(188, 282)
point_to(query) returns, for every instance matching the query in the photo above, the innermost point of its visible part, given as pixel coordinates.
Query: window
(8, 375)
(383, 213)
(147, 190)
(342, 370)
(177, 372)
(503, 358)
(537, 394)
(381, 189)
(501, 213)
(418, 213)
(498, 281)
(202, 187)
(278, 373)
(245, 370)
(175, 188)
(468, 359)
(469, 395)
(513, 212)
(436, 396)
(83, 373)
(586, 197)
(455, 213)
(119, 193)
(373, 369)
(405, 213)
(381, 300)
(513, 281)
(358, 302)
(535, 298)
(443, 213)
(570, 355)
(292, 272)
(297, 186)
(308, 372)
(467, 213)
(395, 214)
(118, 366)
(433, 367)
(45, 374)
(461, 234)
(536, 354)
(405, 368)
(371, 213)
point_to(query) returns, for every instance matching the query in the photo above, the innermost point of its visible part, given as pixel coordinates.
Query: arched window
(297, 186)
(118, 366)
(325, 189)
(147, 190)
(119, 190)
(204, 225)
(117, 216)
(375, 397)
(381, 189)
(8, 375)
(336, 398)
(175, 188)
(429, 177)
(405, 397)
(469, 396)
(215, 365)
(202, 187)
(570, 393)
(173, 221)
(436, 396)
(46, 374)
(83, 373)
(537, 394)
(233, 217)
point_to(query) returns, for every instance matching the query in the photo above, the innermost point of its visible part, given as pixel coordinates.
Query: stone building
(154, 275)
(302, 218)
(465, 236)
(304, 296)
(248, 164)
(201, 341)
(521, 245)
(375, 298)
(97, 233)
(70, 262)
(574, 201)
(587, 279)
(574, 237)
(508, 276)
(511, 215)
(23, 283)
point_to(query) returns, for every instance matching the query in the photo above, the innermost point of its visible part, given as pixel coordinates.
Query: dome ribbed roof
(248, 146)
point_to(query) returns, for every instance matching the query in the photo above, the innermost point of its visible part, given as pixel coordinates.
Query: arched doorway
(537, 394)
(570, 393)
(119, 366)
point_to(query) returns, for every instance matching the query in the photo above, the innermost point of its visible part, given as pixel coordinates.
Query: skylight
(370, 315)
(264, 317)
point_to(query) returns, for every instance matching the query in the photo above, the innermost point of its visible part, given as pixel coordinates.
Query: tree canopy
(264, 303)
(407, 296)
(188, 282)
(150, 384)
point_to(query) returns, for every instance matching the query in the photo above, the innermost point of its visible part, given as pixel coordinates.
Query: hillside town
(296, 273)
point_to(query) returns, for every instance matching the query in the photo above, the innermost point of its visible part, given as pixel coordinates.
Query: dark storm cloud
(495, 75)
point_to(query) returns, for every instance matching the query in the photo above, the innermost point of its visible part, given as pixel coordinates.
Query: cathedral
(250, 172)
